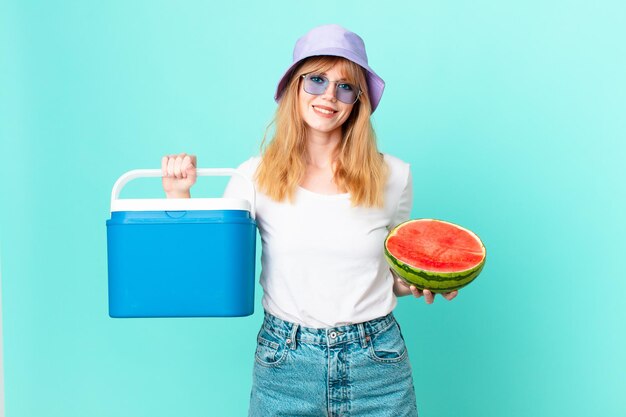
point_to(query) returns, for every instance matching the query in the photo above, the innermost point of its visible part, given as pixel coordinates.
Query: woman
(326, 199)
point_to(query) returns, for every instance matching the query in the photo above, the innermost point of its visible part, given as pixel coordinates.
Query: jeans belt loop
(362, 336)
(292, 337)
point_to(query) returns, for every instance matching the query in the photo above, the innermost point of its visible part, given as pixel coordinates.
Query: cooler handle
(144, 173)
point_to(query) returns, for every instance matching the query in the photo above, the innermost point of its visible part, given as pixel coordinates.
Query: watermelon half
(435, 255)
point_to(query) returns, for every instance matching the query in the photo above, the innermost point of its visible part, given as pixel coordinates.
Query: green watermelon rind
(437, 282)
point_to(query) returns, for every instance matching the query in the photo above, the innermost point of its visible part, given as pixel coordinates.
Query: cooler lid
(175, 204)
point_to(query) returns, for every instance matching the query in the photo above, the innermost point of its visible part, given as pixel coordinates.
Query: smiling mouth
(324, 111)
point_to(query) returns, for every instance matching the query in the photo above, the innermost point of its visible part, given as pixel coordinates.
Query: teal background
(511, 114)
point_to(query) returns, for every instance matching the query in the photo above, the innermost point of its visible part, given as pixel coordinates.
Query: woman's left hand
(401, 288)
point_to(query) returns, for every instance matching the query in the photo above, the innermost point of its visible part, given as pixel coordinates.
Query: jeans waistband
(327, 336)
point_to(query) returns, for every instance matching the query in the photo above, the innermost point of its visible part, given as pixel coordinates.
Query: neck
(321, 147)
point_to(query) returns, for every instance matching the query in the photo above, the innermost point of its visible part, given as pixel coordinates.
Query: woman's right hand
(179, 174)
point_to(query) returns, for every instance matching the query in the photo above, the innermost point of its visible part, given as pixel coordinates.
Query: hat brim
(375, 84)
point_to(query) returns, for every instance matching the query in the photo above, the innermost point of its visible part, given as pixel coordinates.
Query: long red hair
(359, 166)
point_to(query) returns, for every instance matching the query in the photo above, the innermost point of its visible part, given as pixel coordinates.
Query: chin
(324, 128)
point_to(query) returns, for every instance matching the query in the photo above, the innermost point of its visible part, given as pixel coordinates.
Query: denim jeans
(354, 370)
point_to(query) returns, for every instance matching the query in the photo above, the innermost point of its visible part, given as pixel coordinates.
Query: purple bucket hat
(336, 41)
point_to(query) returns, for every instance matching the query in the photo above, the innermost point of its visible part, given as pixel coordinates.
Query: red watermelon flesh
(436, 246)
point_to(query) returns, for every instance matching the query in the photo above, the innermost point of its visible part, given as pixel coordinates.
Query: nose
(331, 91)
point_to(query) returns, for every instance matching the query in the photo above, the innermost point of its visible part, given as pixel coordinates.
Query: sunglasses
(316, 84)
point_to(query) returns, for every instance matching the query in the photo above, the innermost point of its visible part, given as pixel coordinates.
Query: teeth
(324, 111)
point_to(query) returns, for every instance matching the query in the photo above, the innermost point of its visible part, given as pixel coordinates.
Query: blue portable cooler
(188, 257)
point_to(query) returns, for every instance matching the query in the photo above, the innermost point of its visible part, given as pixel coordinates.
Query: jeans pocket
(387, 346)
(270, 350)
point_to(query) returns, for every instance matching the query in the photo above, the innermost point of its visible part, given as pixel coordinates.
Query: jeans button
(333, 335)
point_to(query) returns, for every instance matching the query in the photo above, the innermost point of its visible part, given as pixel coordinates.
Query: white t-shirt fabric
(322, 259)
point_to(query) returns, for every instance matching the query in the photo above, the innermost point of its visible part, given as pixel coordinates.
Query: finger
(429, 296)
(180, 158)
(416, 291)
(170, 166)
(164, 166)
(194, 166)
(450, 295)
(187, 167)
(183, 167)
(177, 165)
